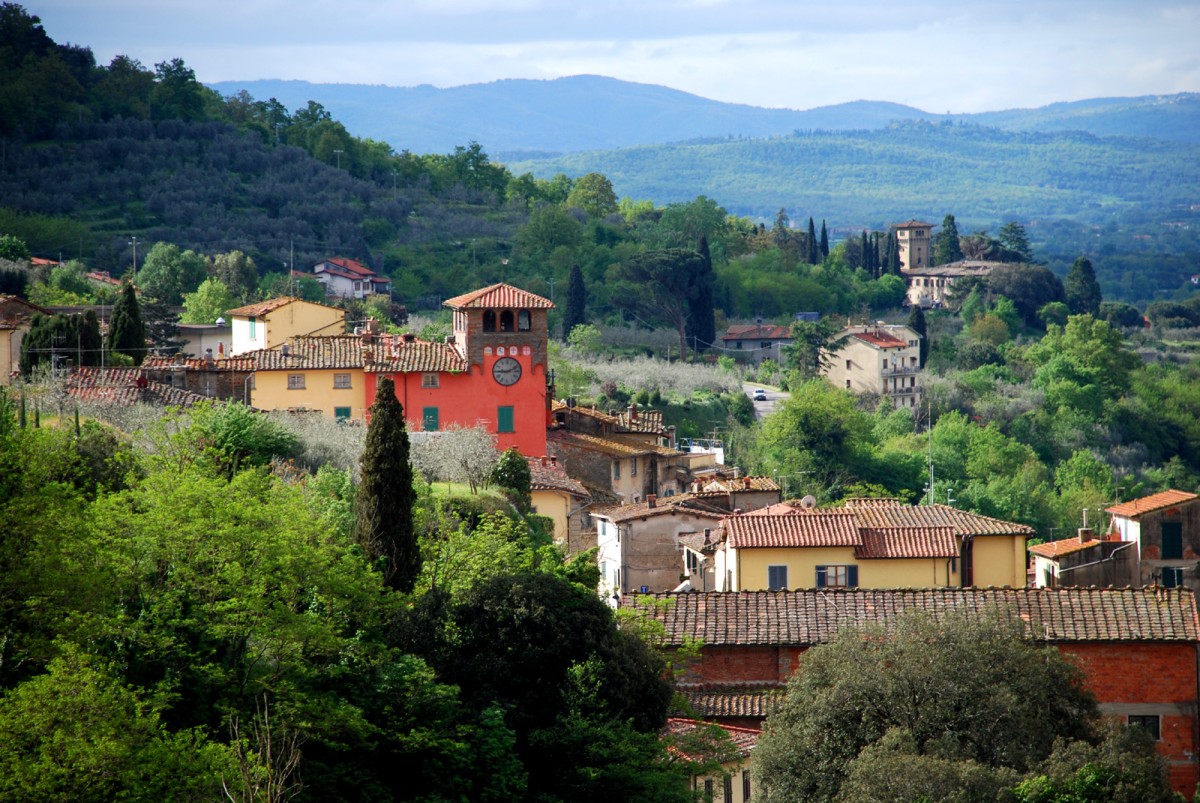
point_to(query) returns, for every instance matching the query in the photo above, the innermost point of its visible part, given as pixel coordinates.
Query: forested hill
(871, 178)
(589, 112)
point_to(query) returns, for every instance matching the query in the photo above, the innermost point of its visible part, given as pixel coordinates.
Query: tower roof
(497, 296)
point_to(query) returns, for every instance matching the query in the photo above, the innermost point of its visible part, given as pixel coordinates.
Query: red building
(1136, 647)
(494, 374)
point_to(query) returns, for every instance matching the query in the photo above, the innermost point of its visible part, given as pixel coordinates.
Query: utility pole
(338, 154)
(133, 242)
(395, 175)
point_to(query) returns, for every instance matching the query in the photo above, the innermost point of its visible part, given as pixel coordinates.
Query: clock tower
(501, 332)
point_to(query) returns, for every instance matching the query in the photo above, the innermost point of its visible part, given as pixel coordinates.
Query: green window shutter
(852, 577)
(504, 420)
(429, 419)
(341, 413)
(820, 577)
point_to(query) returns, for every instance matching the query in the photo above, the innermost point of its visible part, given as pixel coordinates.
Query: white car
(760, 395)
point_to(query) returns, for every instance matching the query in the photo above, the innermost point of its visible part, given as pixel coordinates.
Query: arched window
(523, 324)
(506, 321)
(489, 320)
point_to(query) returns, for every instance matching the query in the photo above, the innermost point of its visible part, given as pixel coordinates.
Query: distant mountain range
(523, 119)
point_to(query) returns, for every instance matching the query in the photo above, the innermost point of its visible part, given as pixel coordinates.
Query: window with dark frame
(341, 381)
(746, 785)
(728, 788)
(777, 579)
(1151, 723)
(837, 576)
(429, 380)
(295, 381)
(523, 321)
(1172, 540)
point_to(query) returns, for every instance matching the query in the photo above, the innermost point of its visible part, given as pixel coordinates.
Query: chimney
(746, 483)
(651, 500)
(1085, 535)
(707, 536)
(286, 349)
(632, 413)
(208, 358)
(368, 355)
(554, 460)
(736, 471)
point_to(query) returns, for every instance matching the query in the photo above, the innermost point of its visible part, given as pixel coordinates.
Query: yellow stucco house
(311, 374)
(869, 543)
(556, 495)
(16, 318)
(270, 324)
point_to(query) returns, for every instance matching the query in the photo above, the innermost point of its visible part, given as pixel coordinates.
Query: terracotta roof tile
(353, 267)
(908, 542)
(270, 305)
(726, 485)
(912, 224)
(880, 339)
(126, 386)
(611, 445)
(882, 515)
(1147, 504)
(815, 616)
(416, 356)
(727, 700)
(744, 739)
(758, 332)
(671, 505)
(777, 509)
(545, 475)
(239, 363)
(647, 421)
(497, 296)
(382, 355)
(805, 530)
(1065, 546)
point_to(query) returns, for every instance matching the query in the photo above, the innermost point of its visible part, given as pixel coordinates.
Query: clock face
(506, 371)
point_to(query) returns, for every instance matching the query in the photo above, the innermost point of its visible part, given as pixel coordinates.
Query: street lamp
(338, 154)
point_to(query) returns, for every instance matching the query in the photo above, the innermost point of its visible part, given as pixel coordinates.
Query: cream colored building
(16, 318)
(270, 324)
(563, 499)
(878, 358)
(934, 286)
(914, 241)
(869, 543)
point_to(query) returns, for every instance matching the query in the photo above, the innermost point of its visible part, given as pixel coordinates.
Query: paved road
(775, 396)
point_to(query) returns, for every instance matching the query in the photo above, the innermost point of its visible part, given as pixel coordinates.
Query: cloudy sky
(937, 55)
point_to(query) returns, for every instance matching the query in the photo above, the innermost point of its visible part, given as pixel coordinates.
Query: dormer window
(506, 321)
(489, 320)
(523, 322)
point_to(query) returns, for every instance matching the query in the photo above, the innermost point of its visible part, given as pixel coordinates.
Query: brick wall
(1136, 678)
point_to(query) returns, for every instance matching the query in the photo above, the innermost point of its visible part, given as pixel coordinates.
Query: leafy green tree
(662, 285)
(812, 342)
(701, 322)
(985, 698)
(14, 248)
(1120, 314)
(1082, 289)
(1016, 241)
(126, 333)
(1055, 312)
(586, 339)
(1029, 287)
(73, 339)
(238, 272)
(233, 436)
(1123, 768)
(916, 322)
(177, 94)
(211, 300)
(168, 272)
(512, 472)
(946, 248)
(383, 507)
(576, 311)
(593, 193)
(79, 733)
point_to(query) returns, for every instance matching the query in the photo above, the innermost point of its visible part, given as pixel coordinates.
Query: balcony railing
(897, 370)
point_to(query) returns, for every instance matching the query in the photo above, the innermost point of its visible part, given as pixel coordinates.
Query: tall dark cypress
(126, 332)
(893, 253)
(701, 324)
(916, 322)
(383, 505)
(576, 312)
(864, 247)
(824, 240)
(814, 248)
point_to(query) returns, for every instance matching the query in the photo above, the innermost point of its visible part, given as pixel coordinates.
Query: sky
(955, 56)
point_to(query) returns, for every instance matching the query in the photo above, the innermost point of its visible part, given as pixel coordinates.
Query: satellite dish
(808, 502)
(220, 321)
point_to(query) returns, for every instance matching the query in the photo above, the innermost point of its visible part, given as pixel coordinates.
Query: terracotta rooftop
(700, 542)
(382, 355)
(642, 421)
(333, 351)
(264, 307)
(595, 443)
(711, 700)
(1150, 503)
(498, 296)
(912, 224)
(744, 739)
(816, 616)
(546, 475)
(125, 387)
(890, 514)
(758, 332)
(881, 340)
(726, 485)
(670, 505)
(908, 542)
(353, 267)
(239, 363)
(806, 530)
(1065, 546)
(415, 355)
(777, 509)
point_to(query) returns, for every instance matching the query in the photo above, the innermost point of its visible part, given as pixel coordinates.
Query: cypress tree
(824, 240)
(864, 246)
(383, 517)
(576, 312)
(946, 248)
(89, 341)
(813, 246)
(701, 323)
(893, 253)
(916, 322)
(1082, 289)
(126, 332)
